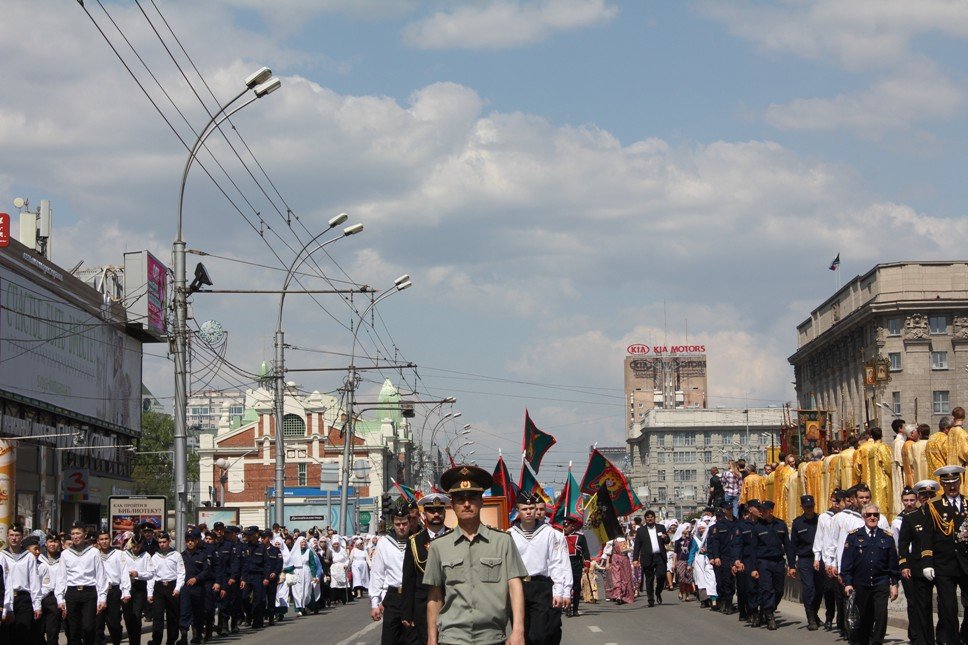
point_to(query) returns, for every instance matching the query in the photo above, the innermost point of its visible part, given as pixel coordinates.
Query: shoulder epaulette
(887, 533)
(855, 530)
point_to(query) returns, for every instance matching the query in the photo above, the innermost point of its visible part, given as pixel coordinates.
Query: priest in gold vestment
(936, 452)
(813, 480)
(831, 471)
(878, 473)
(919, 464)
(782, 486)
(754, 487)
(958, 445)
(847, 476)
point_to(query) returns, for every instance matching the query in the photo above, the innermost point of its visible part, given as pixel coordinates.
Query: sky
(560, 179)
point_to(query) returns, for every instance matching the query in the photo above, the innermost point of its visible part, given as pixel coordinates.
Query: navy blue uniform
(801, 558)
(870, 565)
(720, 546)
(225, 568)
(274, 562)
(197, 567)
(746, 586)
(769, 547)
(918, 590)
(255, 570)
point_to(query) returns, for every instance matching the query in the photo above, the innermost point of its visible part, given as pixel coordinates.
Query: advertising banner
(8, 497)
(60, 354)
(209, 516)
(125, 513)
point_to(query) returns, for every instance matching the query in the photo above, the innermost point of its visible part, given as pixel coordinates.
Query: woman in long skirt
(620, 571)
(339, 573)
(361, 568)
(682, 567)
(702, 568)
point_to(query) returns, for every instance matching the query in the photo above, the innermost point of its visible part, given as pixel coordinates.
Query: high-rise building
(662, 376)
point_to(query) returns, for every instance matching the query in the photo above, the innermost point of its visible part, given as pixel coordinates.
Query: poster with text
(126, 513)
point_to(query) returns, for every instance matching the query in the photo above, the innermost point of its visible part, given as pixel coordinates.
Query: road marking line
(593, 628)
(354, 638)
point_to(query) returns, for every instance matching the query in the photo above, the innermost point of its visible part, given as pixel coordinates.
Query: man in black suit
(650, 555)
(917, 589)
(414, 610)
(944, 556)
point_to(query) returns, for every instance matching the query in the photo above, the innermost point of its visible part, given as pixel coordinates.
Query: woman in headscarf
(702, 568)
(620, 572)
(303, 583)
(361, 568)
(325, 556)
(682, 565)
(672, 527)
(339, 573)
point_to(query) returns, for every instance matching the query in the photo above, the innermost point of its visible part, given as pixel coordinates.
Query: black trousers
(653, 573)
(542, 622)
(772, 574)
(872, 609)
(134, 609)
(833, 598)
(577, 568)
(191, 611)
(917, 592)
(725, 583)
(50, 620)
(417, 635)
(750, 587)
(254, 600)
(21, 630)
(111, 617)
(164, 613)
(811, 585)
(271, 591)
(227, 606)
(392, 630)
(81, 614)
(948, 629)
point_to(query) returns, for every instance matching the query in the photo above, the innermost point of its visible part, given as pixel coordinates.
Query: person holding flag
(568, 515)
(549, 583)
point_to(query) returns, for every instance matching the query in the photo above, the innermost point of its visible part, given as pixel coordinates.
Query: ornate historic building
(892, 342)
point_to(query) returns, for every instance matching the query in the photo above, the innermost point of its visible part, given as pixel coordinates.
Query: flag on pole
(570, 502)
(836, 263)
(529, 481)
(406, 492)
(607, 513)
(601, 472)
(503, 485)
(536, 443)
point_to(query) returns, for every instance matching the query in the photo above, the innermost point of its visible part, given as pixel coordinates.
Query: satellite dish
(211, 332)
(19, 202)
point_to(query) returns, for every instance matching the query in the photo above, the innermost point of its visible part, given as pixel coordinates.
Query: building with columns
(891, 342)
(311, 427)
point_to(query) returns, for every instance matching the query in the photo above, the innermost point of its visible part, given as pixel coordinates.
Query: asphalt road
(602, 624)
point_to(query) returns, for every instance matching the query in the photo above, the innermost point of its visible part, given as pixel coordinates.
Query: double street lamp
(261, 84)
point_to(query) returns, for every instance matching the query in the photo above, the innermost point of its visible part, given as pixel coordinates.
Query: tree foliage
(154, 473)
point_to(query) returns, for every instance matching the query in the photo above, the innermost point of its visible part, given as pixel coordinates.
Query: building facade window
(236, 410)
(661, 474)
(706, 456)
(684, 439)
(938, 324)
(685, 475)
(293, 426)
(301, 474)
(660, 458)
(896, 402)
(894, 326)
(941, 402)
(683, 457)
(895, 359)
(939, 360)
(199, 412)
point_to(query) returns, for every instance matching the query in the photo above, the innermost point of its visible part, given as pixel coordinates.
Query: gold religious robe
(781, 491)
(936, 453)
(918, 461)
(831, 476)
(907, 463)
(880, 473)
(958, 452)
(754, 487)
(813, 483)
(770, 489)
(847, 468)
(862, 463)
(897, 471)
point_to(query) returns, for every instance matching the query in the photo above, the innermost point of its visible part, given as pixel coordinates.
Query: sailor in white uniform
(386, 578)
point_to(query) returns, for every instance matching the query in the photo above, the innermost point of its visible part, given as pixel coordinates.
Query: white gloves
(929, 573)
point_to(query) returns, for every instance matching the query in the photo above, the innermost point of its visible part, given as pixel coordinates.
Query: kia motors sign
(641, 350)
(4, 229)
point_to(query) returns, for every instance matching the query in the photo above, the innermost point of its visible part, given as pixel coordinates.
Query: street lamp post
(401, 283)
(280, 367)
(262, 84)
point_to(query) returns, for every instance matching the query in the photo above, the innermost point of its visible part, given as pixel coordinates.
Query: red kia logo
(638, 349)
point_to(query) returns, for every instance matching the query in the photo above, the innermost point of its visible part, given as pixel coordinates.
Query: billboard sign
(4, 229)
(146, 291)
(125, 513)
(61, 354)
(638, 349)
(209, 515)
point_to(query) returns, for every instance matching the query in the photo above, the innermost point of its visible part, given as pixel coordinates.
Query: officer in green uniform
(474, 573)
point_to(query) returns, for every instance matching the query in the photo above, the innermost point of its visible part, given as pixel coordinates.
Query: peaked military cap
(466, 479)
(949, 474)
(926, 486)
(433, 500)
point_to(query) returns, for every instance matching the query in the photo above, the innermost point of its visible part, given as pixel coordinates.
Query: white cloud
(499, 24)
(917, 93)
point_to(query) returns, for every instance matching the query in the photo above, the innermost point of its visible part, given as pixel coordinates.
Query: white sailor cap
(434, 499)
(926, 485)
(949, 474)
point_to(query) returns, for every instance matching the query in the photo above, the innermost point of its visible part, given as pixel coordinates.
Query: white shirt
(50, 571)
(824, 522)
(82, 569)
(20, 575)
(386, 568)
(167, 567)
(113, 562)
(140, 564)
(653, 536)
(545, 554)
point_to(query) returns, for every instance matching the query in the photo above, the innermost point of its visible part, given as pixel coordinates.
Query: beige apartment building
(890, 343)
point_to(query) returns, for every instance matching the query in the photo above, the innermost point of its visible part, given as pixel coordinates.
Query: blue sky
(561, 178)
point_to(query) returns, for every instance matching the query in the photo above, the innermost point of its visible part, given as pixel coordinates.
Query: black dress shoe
(658, 598)
(828, 625)
(651, 603)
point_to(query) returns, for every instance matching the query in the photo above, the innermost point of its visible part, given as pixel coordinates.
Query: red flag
(453, 464)
(603, 473)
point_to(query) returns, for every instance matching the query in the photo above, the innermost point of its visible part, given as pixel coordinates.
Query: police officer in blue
(224, 567)
(743, 564)
(719, 547)
(770, 545)
(255, 577)
(231, 606)
(198, 571)
(274, 564)
(869, 568)
(800, 559)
